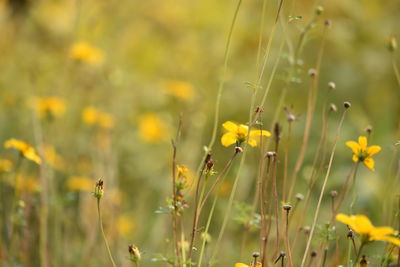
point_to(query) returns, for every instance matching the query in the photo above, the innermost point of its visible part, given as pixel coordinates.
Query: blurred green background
(139, 66)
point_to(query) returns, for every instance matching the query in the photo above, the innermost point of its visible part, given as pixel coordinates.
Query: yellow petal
(252, 142)
(230, 126)
(254, 133)
(362, 140)
(362, 224)
(228, 139)
(355, 158)
(343, 218)
(381, 231)
(355, 147)
(390, 239)
(241, 265)
(359, 223)
(369, 162)
(243, 129)
(372, 150)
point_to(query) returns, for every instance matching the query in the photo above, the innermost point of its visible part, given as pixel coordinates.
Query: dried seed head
(270, 154)
(331, 85)
(332, 107)
(334, 193)
(256, 255)
(99, 189)
(392, 44)
(328, 23)
(350, 234)
(313, 253)
(368, 129)
(289, 115)
(347, 105)
(287, 207)
(312, 73)
(238, 149)
(319, 10)
(306, 229)
(134, 253)
(282, 254)
(363, 261)
(299, 197)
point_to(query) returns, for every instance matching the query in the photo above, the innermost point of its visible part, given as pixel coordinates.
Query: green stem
(354, 189)
(103, 234)
(359, 253)
(223, 78)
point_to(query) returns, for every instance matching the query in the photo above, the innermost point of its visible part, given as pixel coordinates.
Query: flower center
(362, 155)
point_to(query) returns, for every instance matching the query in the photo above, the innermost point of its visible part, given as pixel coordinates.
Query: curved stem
(323, 190)
(103, 234)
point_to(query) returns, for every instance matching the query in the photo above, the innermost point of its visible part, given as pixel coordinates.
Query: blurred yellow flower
(80, 183)
(152, 129)
(49, 106)
(180, 89)
(26, 150)
(125, 224)
(363, 226)
(86, 53)
(245, 265)
(184, 175)
(362, 152)
(94, 117)
(238, 134)
(52, 157)
(5, 165)
(26, 184)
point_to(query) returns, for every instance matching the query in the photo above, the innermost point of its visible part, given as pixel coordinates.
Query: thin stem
(196, 213)
(354, 189)
(396, 69)
(103, 234)
(323, 190)
(206, 230)
(312, 97)
(359, 253)
(223, 78)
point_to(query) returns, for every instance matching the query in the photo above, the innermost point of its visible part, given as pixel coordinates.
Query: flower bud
(392, 44)
(99, 189)
(347, 105)
(319, 10)
(134, 253)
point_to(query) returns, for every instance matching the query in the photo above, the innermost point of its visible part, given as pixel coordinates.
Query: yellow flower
(49, 106)
(363, 226)
(52, 157)
(362, 152)
(245, 265)
(86, 53)
(125, 224)
(26, 150)
(94, 117)
(152, 129)
(80, 183)
(180, 89)
(5, 165)
(238, 134)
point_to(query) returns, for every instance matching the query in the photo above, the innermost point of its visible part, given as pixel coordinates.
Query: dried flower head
(134, 253)
(99, 189)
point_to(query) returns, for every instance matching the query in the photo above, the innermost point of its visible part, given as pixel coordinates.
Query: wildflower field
(199, 133)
